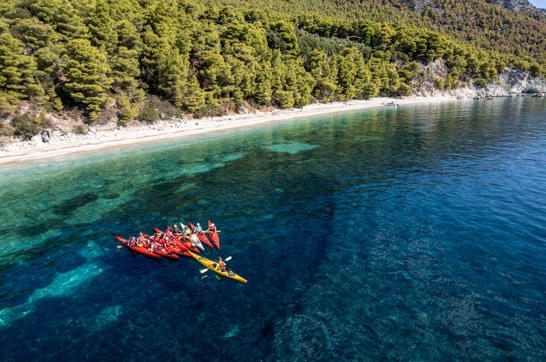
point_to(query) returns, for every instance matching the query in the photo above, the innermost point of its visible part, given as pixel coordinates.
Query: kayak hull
(212, 265)
(167, 254)
(215, 240)
(203, 238)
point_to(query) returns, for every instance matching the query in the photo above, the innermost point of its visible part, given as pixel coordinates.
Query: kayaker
(198, 229)
(221, 264)
(177, 230)
(212, 227)
(141, 240)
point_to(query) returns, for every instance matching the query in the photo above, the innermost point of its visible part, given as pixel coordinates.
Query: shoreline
(71, 144)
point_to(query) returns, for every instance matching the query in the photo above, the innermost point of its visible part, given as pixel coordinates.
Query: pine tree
(194, 96)
(102, 26)
(86, 70)
(282, 36)
(17, 72)
(62, 16)
(34, 34)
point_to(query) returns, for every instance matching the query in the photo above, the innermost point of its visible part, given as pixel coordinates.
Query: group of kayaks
(184, 241)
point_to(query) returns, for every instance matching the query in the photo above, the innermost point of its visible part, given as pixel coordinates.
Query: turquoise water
(408, 234)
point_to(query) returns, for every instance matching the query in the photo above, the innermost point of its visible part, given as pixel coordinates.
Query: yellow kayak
(213, 265)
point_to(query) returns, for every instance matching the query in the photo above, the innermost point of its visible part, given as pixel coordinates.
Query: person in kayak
(198, 228)
(212, 227)
(221, 264)
(141, 240)
(177, 231)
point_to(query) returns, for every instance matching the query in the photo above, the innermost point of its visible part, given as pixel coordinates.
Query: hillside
(485, 24)
(149, 59)
(515, 5)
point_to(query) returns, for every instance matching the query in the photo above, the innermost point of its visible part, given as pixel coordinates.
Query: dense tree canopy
(202, 55)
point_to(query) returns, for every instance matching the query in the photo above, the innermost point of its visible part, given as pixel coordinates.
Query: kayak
(137, 249)
(202, 237)
(212, 265)
(188, 246)
(194, 239)
(178, 250)
(214, 237)
(169, 254)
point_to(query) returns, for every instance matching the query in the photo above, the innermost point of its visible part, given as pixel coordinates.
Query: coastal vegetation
(147, 59)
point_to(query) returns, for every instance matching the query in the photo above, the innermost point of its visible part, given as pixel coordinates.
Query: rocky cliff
(514, 5)
(511, 81)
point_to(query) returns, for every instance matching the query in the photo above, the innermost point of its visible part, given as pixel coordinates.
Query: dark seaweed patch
(267, 330)
(74, 203)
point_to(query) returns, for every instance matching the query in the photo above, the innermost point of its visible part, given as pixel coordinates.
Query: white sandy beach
(97, 139)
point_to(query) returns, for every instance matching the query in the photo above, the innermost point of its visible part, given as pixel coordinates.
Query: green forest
(137, 59)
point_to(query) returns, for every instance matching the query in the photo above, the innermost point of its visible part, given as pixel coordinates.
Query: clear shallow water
(409, 234)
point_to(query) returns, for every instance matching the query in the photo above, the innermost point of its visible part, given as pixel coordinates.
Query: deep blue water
(408, 234)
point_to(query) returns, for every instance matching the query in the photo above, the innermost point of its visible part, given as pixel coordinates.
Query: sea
(401, 233)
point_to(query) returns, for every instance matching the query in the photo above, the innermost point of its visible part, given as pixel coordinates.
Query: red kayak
(184, 253)
(137, 249)
(176, 247)
(204, 239)
(214, 237)
(188, 246)
(177, 250)
(201, 236)
(165, 253)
